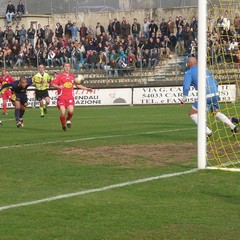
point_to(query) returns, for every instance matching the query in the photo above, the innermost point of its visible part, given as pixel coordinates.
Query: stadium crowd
(118, 47)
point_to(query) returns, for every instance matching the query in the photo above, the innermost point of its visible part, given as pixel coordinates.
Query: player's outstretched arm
(84, 88)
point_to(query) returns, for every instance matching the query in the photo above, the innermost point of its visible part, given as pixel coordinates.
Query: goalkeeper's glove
(184, 98)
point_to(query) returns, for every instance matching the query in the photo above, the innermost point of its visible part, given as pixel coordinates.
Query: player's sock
(63, 120)
(45, 108)
(225, 120)
(194, 117)
(4, 107)
(17, 114)
(69, 116)
(41, 111)
(21, 113)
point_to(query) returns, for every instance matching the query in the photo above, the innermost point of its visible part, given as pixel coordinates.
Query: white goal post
(202, 58)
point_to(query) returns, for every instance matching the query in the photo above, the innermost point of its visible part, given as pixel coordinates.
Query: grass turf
(203, 205)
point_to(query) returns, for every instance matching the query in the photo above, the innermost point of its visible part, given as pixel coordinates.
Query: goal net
(223, 61)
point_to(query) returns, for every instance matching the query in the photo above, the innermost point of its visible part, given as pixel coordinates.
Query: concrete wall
(103, 18)
(93, 17)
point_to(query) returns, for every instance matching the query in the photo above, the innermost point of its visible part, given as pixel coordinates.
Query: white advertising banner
(99, 97)
(173, 95)
(127, 96)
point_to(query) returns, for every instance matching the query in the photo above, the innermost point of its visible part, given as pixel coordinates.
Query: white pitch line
(94, 190)
(93, 138)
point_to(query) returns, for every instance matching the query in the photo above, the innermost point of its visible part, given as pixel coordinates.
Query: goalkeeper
(191, 79)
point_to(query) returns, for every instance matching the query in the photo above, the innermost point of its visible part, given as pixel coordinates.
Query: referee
(41, 80)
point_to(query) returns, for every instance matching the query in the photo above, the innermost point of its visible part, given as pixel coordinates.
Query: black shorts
(41, 94)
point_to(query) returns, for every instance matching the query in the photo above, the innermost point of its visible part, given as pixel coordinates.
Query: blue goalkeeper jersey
(191, 79)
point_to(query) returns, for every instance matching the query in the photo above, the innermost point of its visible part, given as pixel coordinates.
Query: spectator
(58, 31)
(50, 58)
(146, 59)
(145, 28)
(99, 30)
(83, 31)
(125, 28)
(164, 27)
(74, 32)
(91, 60)
(91, 33)
(153, 28)
(155, 57)
(31, 34)
(113, 68)
(116, 28)
(10, 12)
(212, 22)
(22, 34)
(9, 34)
(180, 41)
(165, 49)
(48, 35)
(40, 32)
(110, 28)
(237, 23)
(188, 37)
(20, 11)
(68, 33)
(16, 33)
(135, 29)
(194, 27)
(1, 37)
(170, 26)
(177, 22)
(173, 42)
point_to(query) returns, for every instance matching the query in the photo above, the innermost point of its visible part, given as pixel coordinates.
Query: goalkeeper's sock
(194, 117)
(223, 118)
(63, 120)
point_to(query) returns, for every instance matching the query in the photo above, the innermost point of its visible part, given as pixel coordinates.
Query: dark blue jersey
(16, 88)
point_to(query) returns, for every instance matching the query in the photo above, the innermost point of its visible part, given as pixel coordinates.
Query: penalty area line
(95, 190)
(94, 138)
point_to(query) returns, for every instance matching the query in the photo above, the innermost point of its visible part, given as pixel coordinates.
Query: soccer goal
(223, 60)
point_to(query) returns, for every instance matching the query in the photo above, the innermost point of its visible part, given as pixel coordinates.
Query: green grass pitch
(107, 146)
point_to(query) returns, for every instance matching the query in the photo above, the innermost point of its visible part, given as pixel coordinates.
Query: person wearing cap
(153, 28)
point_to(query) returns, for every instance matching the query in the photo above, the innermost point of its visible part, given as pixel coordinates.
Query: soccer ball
(79, 79)
(1, 123)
